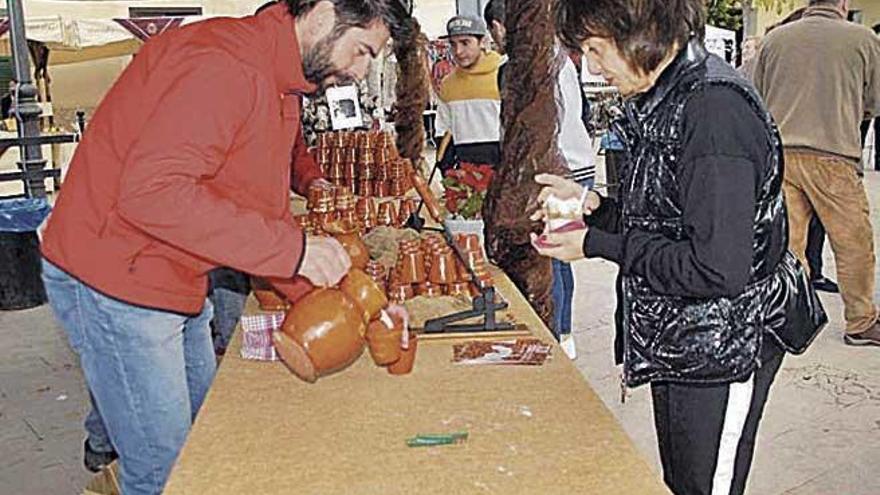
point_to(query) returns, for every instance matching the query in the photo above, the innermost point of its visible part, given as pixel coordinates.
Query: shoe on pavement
(870, 336)
(825, 284)
(567, 343)
(94, 461)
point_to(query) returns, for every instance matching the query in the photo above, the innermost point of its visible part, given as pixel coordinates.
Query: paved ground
(820, 436)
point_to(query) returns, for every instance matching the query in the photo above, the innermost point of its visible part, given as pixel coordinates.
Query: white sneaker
(568, 346)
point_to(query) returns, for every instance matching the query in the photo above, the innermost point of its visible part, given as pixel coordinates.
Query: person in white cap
(470, 103)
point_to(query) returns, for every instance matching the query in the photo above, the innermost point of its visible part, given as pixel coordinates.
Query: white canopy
(79, 40)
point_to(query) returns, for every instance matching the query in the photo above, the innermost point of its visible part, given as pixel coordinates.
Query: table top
(532, 429)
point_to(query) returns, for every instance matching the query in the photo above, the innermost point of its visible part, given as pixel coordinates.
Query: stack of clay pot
(368, 164)
(362, 161)
(430, 268)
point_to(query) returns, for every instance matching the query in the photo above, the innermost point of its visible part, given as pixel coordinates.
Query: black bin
(21, 285)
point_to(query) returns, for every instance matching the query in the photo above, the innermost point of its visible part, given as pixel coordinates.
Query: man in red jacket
(186, 166)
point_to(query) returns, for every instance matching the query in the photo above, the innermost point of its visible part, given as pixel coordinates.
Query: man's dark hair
(824, 2)
(644, 30)
(394, 14)
(495, 11)
(265, 6)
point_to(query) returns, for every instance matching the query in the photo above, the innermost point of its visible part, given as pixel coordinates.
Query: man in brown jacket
(820, 77)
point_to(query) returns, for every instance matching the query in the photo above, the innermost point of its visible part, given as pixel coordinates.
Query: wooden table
(533, 430)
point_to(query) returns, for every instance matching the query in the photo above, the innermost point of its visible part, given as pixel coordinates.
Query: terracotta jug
(365, 292)
(324, 331)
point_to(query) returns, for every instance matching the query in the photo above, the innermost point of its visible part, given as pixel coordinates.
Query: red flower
(466, 188)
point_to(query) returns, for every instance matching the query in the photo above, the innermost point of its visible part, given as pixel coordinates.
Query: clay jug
(324, 331)
(365, 292)
(321, 334)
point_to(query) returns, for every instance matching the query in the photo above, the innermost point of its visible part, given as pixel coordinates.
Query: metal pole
(27, 110)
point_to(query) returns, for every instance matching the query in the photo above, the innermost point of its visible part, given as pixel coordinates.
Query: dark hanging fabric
(411, 50)
(529, 147)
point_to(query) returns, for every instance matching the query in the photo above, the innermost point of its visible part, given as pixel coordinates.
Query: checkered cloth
(256, 336)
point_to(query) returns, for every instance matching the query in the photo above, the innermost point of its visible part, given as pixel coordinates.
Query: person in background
(820, 77)
(469, 103)
(155, 200)
(574, 144)
(816, 231)
(866, 125)
(699, 235)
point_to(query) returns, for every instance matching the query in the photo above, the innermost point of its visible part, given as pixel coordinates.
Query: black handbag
(795, 315)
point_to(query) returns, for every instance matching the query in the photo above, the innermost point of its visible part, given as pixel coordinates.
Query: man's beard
(318, 67)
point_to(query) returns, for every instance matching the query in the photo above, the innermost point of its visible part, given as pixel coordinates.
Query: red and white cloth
(256, 336)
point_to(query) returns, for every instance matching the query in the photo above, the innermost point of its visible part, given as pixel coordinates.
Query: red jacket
(186, 166)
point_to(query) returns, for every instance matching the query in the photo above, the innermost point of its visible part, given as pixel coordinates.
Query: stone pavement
(820, 435)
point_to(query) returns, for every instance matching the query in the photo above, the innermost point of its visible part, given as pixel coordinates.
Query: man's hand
(324, 262)
(322, 183)
(564, 246)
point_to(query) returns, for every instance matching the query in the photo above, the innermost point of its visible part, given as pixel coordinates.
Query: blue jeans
(562, 291)
(148, 371)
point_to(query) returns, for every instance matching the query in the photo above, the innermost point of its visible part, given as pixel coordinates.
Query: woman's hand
(564, 246)
(564, 189)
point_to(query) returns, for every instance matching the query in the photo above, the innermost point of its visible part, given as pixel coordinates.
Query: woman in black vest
(708, 295)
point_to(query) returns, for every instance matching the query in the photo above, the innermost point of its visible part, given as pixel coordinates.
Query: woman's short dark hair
(644, 30)
(495, 10)
(360, 13)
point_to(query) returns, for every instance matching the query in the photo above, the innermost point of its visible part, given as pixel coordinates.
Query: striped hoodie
(470, 107)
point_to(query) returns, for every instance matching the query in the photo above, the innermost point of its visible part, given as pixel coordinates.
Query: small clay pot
(443, 270)
(386, 215)
(412, 267)
(384, 342)
(428, 289)
(364, 188)
(404, 213)
(399, 293)
(469, 242)
(462, 273)
(381, 188)
(407, 360)
(324, 141)
(458, 289)
(378, 273)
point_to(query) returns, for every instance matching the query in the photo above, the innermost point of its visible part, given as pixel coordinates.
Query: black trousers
(815, 245)
(706, 434)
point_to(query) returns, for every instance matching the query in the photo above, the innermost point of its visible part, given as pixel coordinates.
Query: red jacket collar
(287, 58)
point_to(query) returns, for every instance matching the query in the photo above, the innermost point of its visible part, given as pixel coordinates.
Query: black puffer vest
(698, 340)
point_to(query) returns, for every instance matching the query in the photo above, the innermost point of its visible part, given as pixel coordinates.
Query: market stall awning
(80, 40)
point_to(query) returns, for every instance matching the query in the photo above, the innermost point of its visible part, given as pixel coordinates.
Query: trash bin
(21, 286)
